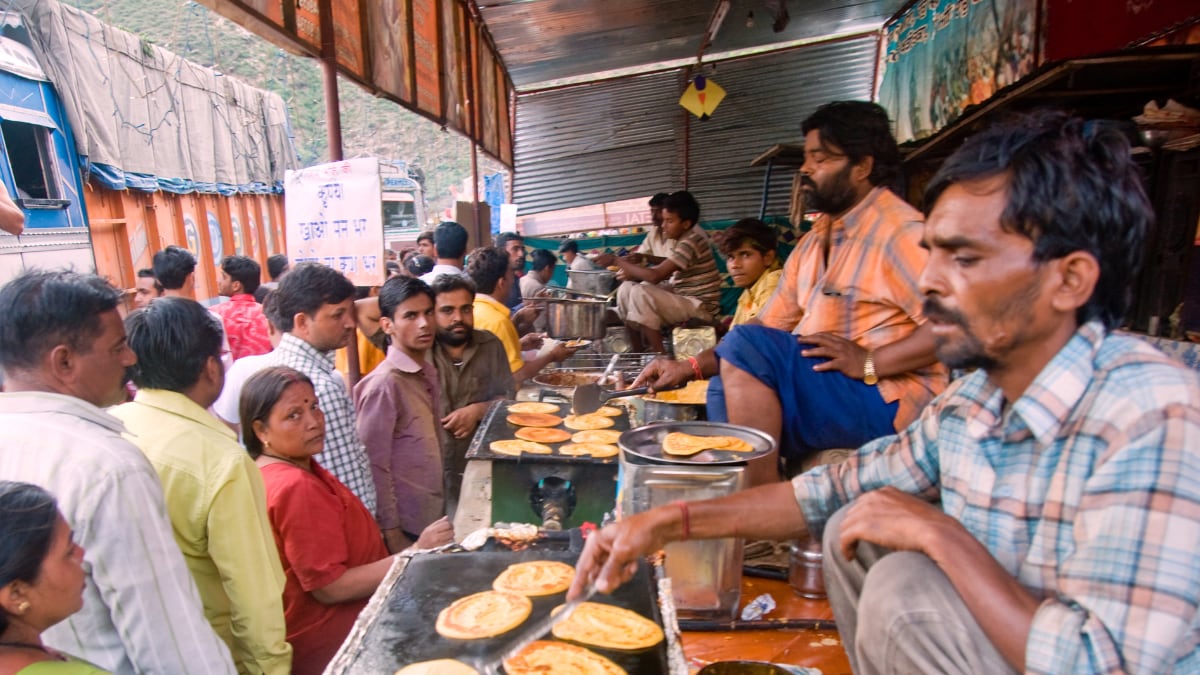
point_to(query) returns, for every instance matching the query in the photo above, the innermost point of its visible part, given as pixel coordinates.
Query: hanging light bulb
(750, 19)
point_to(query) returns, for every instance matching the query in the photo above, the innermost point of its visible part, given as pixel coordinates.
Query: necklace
(30, 645)
(285, 459)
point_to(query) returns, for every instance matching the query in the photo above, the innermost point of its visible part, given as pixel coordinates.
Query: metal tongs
(533, 633)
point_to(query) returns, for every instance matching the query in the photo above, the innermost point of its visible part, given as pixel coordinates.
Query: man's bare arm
(656, 274)
(611, 555)
(902, 356)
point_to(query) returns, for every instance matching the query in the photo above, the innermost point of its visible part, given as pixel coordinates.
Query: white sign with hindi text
(334, 217)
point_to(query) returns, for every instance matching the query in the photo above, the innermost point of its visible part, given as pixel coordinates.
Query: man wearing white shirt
(62, 347)
(450, 242)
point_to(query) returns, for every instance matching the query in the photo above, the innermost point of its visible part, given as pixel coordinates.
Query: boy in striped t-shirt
(683, 286)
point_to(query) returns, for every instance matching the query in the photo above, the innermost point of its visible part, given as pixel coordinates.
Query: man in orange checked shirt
(840, 355)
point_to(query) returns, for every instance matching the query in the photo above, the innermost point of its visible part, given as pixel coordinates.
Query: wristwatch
(869, 376)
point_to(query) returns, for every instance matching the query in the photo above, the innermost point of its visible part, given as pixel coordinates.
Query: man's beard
(449, 338)
(838, 196)
(964, 355)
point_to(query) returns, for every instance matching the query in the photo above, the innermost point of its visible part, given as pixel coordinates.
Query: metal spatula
(534, 632)
(589, 397)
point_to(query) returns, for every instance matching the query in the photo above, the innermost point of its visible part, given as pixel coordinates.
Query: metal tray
(397, 627)
(494, 427)
(646, 442)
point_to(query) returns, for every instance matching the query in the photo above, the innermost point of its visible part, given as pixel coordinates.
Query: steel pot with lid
(706, 575)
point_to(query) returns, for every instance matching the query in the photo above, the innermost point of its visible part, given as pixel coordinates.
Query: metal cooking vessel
(600, 282)
(575, 318)
(654, 410)
(705, 574)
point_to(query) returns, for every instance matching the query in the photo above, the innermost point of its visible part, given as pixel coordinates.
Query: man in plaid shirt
(314, 307)
(1043, 514)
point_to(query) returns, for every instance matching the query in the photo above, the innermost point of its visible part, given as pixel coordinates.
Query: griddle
(402, 630)
(494, 427)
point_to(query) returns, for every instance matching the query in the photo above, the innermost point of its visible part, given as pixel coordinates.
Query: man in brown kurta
(471, 365)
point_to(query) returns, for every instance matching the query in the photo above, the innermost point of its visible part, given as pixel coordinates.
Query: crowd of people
(196, 489)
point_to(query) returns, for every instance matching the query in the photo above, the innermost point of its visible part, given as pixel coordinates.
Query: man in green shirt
(213, 491)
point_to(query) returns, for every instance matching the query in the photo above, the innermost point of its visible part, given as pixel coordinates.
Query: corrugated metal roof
(548, 42)
(624, 138)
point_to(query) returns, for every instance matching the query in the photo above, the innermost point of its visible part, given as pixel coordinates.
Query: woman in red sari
(330, 546)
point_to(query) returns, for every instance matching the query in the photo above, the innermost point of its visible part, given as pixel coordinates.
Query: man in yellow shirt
(213, 491)
(491, 270)
(749, 250)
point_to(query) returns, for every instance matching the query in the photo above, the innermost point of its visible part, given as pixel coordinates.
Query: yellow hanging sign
(702, 97)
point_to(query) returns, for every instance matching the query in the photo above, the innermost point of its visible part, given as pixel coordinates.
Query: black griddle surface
(404, 631)
(495, 427)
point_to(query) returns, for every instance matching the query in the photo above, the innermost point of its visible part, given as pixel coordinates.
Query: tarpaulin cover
(147, 119)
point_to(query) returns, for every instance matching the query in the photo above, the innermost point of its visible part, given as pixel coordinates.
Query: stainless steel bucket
(575, 318)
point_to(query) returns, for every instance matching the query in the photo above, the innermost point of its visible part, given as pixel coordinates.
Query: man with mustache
(472, 369)
(398, 405)
(840, 354)
(1042, 515)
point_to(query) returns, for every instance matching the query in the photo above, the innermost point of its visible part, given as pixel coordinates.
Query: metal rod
(762, 210)
(333, 126)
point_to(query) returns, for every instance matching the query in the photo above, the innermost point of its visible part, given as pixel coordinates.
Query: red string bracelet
(686, 524)
(696, 367)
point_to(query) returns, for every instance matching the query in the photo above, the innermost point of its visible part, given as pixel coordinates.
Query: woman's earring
(23, 607)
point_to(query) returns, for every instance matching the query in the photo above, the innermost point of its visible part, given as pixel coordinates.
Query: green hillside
(370, 126)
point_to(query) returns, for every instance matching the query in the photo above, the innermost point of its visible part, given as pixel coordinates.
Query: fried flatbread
(533, 407)
(694, 393)
(609, 436)
(542, 434)
(535, 578)
(534, 420)
(679, 443)
(516, 447)
(609, 411)
(482, 615)
(608, 627)
(593, 449)
(545, 656)
(585, 422)
(437, 667)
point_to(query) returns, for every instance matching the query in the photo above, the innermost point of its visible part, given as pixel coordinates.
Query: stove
(552, 491)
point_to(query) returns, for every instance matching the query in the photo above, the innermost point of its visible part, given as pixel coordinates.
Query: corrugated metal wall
(597, 143)
(624, 138)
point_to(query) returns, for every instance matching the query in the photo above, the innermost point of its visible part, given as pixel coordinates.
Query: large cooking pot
(600, 282)
(575, 318)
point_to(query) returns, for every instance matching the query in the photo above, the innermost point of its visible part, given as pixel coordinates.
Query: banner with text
(942, 56)
(335, 217)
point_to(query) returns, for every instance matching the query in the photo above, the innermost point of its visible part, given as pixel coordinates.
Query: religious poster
(942, 56)
(334, 216)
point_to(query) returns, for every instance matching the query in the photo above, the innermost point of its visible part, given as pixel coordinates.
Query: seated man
(749, 250)
(575, 262)
(684, 286)
(491, 270)
(841, 356)
(1041, 515)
